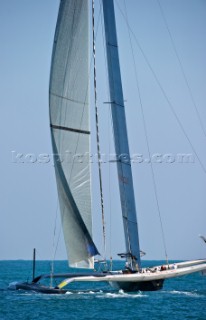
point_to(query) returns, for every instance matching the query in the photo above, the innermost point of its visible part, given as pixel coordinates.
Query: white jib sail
(69, 116)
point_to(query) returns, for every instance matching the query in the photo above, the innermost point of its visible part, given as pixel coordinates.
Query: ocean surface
(180, 298)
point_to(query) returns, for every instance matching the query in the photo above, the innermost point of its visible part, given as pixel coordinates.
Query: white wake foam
(186, 293)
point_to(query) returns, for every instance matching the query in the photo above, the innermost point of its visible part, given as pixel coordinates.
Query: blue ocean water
(181, 298)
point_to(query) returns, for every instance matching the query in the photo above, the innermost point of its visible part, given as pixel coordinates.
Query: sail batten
(70, 129)
(53, 126)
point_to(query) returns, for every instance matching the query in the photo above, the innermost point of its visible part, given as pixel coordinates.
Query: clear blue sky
(28, 191)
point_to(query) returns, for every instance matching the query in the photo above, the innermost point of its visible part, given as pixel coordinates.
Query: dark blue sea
(181, 298)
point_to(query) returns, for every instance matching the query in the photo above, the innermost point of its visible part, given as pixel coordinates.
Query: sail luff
(120, 137)
(70, 129)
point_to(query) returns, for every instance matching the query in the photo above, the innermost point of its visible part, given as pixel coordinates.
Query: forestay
(69, 116)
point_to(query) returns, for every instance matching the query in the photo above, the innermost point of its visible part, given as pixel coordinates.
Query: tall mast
(121, 139)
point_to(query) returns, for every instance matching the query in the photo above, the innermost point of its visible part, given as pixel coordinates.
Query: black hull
(126, 286)
(139, 286)
(36, 288)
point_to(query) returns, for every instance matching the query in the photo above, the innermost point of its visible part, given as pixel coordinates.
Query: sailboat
(70, 132)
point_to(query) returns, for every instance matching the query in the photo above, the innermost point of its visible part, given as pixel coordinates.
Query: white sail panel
(69, 116)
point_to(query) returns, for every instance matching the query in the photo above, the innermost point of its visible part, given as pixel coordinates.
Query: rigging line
(54, 234)
(181, 68)
(109, 187)
(165, 96)
(146, 135)
(97, 133)
(59, 234)
(53, 246)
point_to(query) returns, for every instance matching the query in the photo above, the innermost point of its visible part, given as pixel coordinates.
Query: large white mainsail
(69, 116)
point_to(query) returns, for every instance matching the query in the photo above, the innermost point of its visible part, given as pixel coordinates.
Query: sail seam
(66, 98)
(53, 126)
